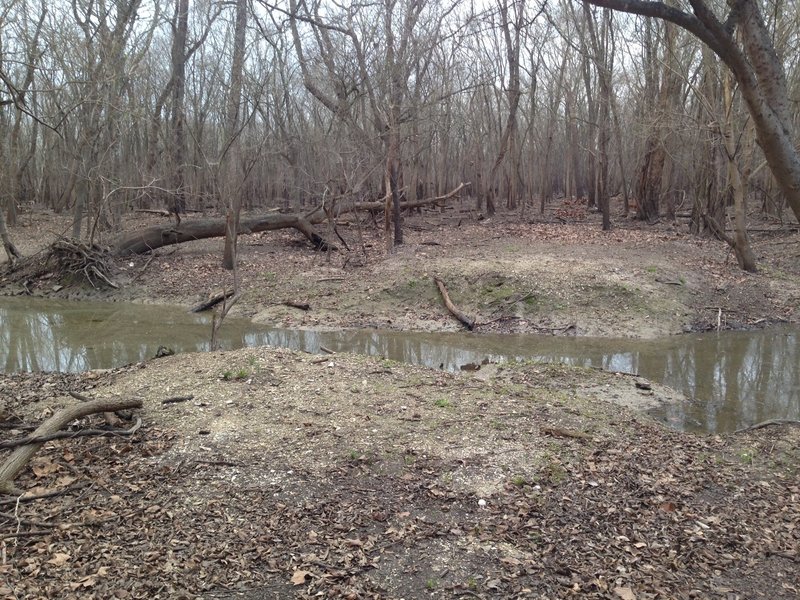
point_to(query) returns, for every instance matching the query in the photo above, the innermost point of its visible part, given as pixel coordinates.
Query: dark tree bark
(179, 57)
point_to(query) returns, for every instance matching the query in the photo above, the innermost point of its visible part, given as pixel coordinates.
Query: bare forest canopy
(216, 107)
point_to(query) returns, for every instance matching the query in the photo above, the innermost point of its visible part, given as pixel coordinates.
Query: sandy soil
(282, 474)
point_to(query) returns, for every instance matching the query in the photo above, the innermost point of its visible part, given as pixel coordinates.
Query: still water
(733, 379)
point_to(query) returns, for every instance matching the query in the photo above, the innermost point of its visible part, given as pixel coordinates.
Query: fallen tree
(145, 240)
(20, 457)
(95, 263)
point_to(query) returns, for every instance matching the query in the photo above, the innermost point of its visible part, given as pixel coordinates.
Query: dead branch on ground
(63, 435)
(22, 455)
(768, 423)
(468, 321)
(211, 303)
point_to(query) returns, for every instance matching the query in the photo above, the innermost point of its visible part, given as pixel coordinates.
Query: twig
(176, 399)
(44, 495)
(19, 534)
(61, 435)
(768, 423)
(327, 350)
(218, 463)
(26, 521)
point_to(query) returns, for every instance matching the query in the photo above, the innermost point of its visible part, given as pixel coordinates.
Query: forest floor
(292, 475)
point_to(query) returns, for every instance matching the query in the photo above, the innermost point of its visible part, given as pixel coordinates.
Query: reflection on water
(733, 379)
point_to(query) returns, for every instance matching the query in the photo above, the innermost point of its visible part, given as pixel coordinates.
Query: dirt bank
(509, 274)
(281, 474)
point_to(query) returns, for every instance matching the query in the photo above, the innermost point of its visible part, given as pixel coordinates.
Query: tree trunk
(11, 250)
(178, 153)
(233, 178)
(145, 240)
(741, 242)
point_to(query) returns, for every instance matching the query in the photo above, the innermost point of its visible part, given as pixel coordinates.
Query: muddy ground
(282, 474)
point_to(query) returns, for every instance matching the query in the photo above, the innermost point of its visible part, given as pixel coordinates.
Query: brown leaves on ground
(636, 511)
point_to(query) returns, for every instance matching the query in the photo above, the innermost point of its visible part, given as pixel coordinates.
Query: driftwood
(21, 456)
(468, 321)
(209, 304)
(299, 305)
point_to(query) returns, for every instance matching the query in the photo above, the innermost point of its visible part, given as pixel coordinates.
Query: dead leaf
(300, 577)
(625, 593)
(42, 468)
(59, 558)
(668, 506)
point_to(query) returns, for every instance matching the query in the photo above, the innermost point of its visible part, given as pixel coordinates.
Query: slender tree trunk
(178, 149)
(233, 178)
(741, 242)
(11, 250)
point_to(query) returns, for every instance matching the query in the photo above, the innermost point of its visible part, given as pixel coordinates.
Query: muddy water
(731, 379)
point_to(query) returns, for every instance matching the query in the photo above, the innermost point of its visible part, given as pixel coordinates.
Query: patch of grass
(431, 584)
(518, 481)
(554, 470)
(239, 374)
(530, 300)
(747, 456)
(269, 276)
(651, 269)
(443, 403)
(493, 293)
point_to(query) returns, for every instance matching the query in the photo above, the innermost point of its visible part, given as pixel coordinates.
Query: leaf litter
(362, 478)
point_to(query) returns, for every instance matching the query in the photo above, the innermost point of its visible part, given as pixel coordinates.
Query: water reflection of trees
(733, 379)
(69, 336)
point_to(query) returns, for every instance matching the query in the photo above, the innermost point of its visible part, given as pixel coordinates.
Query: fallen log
(145, 240)
(212, 302)
(468, 321)
(380, 204)
(21, 456)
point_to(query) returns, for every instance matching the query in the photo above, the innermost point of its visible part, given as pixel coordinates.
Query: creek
(730, 379)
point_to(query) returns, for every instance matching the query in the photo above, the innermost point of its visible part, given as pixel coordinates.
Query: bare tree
(231, 161)
(756, 67)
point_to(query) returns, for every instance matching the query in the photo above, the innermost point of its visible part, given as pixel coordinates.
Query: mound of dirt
(284, 474)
